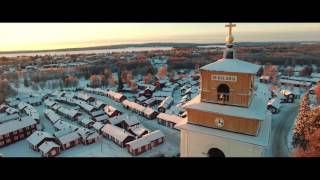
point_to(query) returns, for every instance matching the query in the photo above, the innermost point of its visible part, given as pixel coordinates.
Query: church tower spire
(229, 52)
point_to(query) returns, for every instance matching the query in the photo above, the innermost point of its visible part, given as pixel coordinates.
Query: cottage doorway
(216, 153)
(223, 93)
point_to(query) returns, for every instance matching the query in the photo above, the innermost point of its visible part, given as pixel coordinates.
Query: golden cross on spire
(230, 26)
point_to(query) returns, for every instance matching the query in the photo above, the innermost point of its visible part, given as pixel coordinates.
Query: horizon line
(109, 46)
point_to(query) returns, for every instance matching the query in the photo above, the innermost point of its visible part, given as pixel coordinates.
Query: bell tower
(223, 83)
(229, 116)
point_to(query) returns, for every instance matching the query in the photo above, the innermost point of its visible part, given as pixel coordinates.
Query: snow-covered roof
(148, 111)
(83, 96)
(98, 104)
(166, 102)
(115, 95)
(185, 98)
(287, 81)
(87, 133)
(130, 120)
(63, 132)
(29, 110)
(14, 103)
(11, 110)
(232, 65)
(175, 110)
(167, 89)
(110, 109)
(186, 86)
(303, 79)
(94, 135)
(49, 103)
(65, 125)
(97, 125)
(170, 117)
(69, 112)
(36, 137)
(149, 101)
(141, 98)
(22, 105)
(133, 105)
(69, 137)
(53, 117)
(102, 118)
(193, 83)
(255, 111)
(150, 87)
(116, 132)
(47, 146)
(162, 94)
(138, 130)
(115, 120)
(153, 135)
(85, 120)
(86, 106)
(5, 117)
(97, 113)
(56, 106)
(69, 94)
(15, 125)
(138, 143)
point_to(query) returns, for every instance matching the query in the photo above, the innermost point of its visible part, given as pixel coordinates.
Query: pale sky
(40, 36)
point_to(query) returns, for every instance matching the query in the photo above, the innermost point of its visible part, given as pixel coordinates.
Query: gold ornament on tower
(229, 38)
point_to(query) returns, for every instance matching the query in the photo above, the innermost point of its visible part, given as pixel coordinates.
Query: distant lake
(212, 46)
(93, 51)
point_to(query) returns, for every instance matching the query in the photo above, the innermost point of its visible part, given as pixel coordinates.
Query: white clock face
(219, 122)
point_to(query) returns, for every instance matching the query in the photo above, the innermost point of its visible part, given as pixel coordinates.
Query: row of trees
(5, 90)
(306, 134)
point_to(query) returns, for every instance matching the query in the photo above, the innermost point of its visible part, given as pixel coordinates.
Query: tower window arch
(215, 153)
(223, 91)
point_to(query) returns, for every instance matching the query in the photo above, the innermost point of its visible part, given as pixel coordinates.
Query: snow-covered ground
(104, 147)
(282, 129)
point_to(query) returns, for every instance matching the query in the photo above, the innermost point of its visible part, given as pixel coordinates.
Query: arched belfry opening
(223, 93)
(216, 153)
